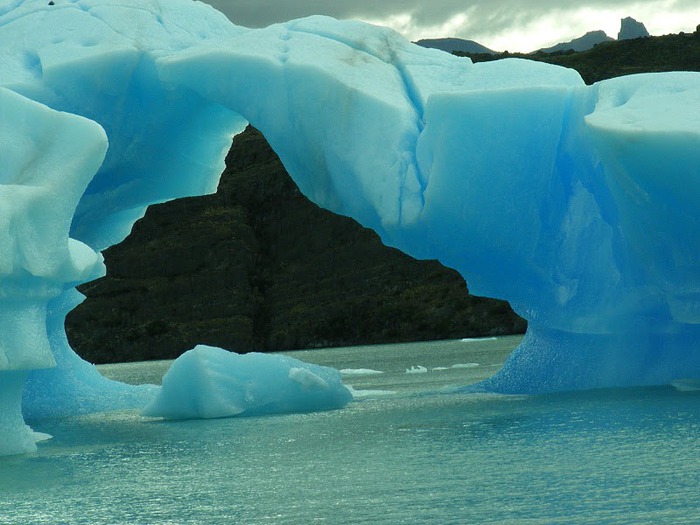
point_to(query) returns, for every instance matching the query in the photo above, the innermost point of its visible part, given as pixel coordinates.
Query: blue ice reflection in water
(400, 455)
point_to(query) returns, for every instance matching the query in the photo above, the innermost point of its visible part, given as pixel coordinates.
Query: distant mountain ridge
(629, 29)
(452, 44)
(616, 58)
(583, 43)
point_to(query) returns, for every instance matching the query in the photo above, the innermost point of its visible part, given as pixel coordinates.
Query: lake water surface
(410, 449)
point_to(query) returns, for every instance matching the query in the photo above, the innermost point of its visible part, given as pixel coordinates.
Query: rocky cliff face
(257, 266)
(630, 28)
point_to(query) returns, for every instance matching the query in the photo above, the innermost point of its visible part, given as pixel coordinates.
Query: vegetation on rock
(619, 57)
(257, 266)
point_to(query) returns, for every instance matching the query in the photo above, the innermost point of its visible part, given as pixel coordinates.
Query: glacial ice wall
(576, 203)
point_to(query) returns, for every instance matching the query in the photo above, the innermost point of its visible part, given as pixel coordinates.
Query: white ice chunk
(208, 382)
(363, 394)
(360, 372)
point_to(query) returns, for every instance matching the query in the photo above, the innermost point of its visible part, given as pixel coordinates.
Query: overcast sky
(513, 25)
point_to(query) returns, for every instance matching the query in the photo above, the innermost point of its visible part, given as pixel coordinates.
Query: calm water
(402, 453)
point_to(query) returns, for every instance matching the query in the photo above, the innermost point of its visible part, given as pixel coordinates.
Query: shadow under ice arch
(576, 203)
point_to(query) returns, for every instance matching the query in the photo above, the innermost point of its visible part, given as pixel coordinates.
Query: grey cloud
(262, 13)
(259, 13)
(486, 17)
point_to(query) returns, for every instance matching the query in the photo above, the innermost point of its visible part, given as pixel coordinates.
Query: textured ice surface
(577, 204)
(208, 382)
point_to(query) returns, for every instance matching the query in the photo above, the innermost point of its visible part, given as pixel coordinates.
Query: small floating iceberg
(458, 365)
(360, 372)
(208, 382)
(369, 394)
(475, 339)
(416, 370)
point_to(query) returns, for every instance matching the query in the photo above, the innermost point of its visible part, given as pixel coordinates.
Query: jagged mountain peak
(630, 28)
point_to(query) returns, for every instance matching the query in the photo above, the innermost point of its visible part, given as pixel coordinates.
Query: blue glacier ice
(576, 203)
(208, 382)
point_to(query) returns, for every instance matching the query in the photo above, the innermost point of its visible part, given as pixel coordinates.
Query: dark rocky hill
(257, 266)
(450, 45)
(679, 52)
(582, 43)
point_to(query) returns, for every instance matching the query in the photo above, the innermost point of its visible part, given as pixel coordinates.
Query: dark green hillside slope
(257, 266)
(621, 57)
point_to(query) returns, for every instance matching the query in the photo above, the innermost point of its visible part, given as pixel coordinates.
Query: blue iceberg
(208, 382)
(578, 204)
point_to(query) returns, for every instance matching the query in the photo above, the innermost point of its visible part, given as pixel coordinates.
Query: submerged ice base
(578, 204)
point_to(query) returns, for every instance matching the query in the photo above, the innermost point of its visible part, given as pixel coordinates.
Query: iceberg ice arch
(576, 203)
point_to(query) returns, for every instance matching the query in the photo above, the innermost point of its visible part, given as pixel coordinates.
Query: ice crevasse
(578, 204)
